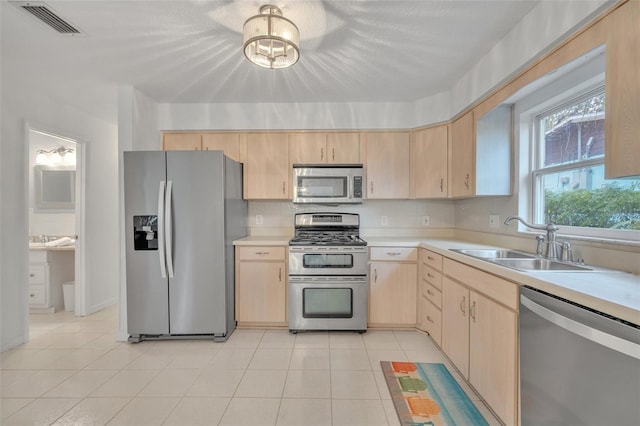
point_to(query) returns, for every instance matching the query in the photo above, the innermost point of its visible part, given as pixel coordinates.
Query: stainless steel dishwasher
(577, 366)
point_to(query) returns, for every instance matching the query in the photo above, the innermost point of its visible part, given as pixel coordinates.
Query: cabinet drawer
(261, 253)
(496, 288)
(432, 320)
(432, 276)
(36, 295)
(398, 254)
(432, 259)
(37, 273)
(433, 294)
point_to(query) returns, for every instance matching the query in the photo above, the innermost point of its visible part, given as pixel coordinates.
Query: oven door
(327, 303)
(324, 260)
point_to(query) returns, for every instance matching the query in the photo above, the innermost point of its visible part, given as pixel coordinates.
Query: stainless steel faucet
(550, 228)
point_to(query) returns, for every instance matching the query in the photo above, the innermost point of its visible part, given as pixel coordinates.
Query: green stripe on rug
(427, 394)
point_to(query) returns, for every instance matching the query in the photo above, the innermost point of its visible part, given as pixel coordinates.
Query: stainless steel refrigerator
(183, 209)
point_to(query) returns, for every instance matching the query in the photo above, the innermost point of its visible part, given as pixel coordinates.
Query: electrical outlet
(494, 221)
(426, 220)
(258, 219)
(383, 220)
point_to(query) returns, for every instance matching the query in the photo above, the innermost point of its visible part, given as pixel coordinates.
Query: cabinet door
(227, 142)
(261, 290)
(392, 298)
(267, 166)
(429, 151)
(493, 355)
(462, 157)
(308, 148)
(343, 148)
(387, 165)
(455, 324)
(181, 141)
(622, 126)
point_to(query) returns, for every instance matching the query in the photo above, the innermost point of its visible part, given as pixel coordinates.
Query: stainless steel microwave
(328, 183)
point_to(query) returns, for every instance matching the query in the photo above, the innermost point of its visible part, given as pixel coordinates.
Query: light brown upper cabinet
(429, 148)
(387, 164)
(267, 170)
(320, 148)
(622, 123)
(190, 141)
(227, 142)
(462, 157)
(181, 141)
(480, 154)
(343, 148)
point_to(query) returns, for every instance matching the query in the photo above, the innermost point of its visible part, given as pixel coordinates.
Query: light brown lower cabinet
(430, 294)
(392, 286)
(261, 285)
(479, 334)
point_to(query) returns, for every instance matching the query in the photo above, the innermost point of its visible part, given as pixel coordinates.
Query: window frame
(528, 110)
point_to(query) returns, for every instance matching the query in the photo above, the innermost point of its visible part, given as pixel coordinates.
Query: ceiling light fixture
(271, 40)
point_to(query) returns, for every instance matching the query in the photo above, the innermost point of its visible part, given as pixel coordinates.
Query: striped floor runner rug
(427, 394)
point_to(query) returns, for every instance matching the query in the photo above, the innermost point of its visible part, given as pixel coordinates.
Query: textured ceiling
(190, 51)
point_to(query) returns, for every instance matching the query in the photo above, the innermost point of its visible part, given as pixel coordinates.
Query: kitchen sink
(522, 260)
(491, 254)
(538, 264)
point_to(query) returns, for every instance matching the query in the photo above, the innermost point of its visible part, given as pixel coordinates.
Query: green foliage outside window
(610, 207)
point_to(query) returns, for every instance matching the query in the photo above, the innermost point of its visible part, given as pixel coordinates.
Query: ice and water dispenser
(145, 232)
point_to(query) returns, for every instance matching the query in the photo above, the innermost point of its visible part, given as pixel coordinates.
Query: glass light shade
(270, 40)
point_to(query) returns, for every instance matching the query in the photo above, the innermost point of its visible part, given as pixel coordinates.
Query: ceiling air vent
(44, 13)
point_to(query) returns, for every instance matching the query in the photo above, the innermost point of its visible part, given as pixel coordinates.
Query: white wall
(549, 23)
(20, 103)
(47, 222)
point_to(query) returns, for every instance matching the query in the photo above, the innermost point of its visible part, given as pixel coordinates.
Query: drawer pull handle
(472, 311)
(430, 275)
(429, 319)
(430, 258)
(32, 275)
(462, 305)
(262, 252)
(430, 293)
(32, 295)
(393, 253)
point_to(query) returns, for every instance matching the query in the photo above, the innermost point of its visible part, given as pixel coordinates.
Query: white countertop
(614, 293)
(263, 241)
(41, 247)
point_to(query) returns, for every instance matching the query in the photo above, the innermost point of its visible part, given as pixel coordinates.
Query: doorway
(56, 223)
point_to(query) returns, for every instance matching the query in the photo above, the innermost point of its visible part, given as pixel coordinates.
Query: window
(569, 187)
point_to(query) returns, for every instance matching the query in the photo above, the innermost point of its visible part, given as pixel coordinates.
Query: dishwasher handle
(600, 337)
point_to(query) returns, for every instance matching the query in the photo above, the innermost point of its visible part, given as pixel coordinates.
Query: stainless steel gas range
(327, 273)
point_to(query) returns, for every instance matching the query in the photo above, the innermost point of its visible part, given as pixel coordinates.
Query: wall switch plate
(383, 220)
(426, 220)
(494, 221)
(258, 219)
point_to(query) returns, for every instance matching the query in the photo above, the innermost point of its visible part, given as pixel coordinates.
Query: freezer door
(147, 289)
(197, 289)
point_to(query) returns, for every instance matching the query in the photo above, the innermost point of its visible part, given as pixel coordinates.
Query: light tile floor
(73, 372)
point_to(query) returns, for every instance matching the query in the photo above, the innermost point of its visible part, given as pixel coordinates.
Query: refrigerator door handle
(163, 265)
(168, 229)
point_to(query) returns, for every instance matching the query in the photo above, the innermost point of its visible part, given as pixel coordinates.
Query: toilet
(69, 295)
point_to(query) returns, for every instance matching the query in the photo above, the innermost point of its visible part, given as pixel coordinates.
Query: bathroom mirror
(55, 187)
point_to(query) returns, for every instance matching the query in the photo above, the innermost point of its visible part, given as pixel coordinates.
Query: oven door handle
(600, 337)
